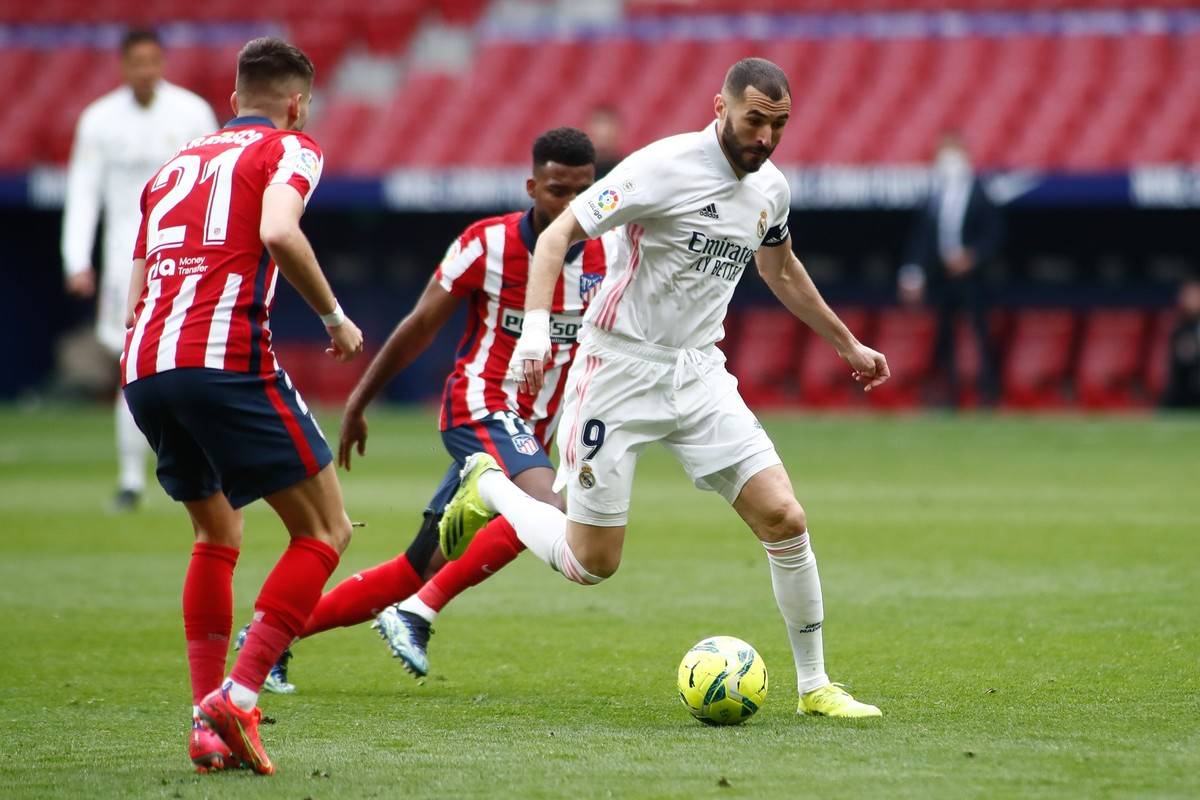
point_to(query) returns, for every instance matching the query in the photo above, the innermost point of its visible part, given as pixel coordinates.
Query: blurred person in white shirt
(121, 140)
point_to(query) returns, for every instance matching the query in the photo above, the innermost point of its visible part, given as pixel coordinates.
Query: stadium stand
(1086, 99)
(906, 336)
(1080, 95)
(764, 351)
(1037, 369)
(823, 377)
(1112, 359)
(1157, 360)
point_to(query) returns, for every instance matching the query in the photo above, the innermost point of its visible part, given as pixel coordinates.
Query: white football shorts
(112, 299)
(622, 395)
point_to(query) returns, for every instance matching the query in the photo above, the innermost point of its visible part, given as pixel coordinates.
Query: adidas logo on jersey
(710, 211)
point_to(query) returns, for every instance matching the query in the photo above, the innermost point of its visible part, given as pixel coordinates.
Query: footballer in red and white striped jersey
(489, 265)
(210, 282)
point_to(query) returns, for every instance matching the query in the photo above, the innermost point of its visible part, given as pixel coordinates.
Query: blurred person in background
(487, 267)
(951, 241)
(1183, 374)
(604, 128)
(120, 140)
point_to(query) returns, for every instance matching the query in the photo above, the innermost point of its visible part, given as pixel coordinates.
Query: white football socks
(243, 697)
(798, 593)
(414, 605)
(132, 449)
(540, 527)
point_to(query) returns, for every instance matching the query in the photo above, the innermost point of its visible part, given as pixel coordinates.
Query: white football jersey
(691, 228)
(118, 146)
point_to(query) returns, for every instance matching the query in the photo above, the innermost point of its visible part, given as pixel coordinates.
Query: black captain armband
(776, 236)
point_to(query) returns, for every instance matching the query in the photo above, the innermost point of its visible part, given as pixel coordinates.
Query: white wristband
(334, 318)
(536, 321)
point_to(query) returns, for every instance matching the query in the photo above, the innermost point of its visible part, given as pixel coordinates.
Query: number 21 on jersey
(217, 174)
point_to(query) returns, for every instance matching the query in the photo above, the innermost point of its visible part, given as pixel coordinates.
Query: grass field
(1021, 596)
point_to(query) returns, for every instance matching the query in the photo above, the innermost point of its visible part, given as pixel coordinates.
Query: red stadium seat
(1157, 353)
(905, 336)
(1037, 366)
(825, 379)
(1111, 359)
(763, 354)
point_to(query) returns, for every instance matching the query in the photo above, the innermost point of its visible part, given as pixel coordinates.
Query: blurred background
(1081, 118)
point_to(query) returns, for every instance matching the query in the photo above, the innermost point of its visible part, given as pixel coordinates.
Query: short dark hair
(267, 61)
(136, 36)
(570, 147)
(763, 75)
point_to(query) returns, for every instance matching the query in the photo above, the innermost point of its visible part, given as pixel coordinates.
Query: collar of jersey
(529, 239)
(241, 122)
(711, 142)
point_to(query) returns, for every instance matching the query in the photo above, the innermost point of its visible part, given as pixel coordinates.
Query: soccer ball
(722, 681)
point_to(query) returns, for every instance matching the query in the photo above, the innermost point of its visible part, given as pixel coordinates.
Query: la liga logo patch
(608, 200)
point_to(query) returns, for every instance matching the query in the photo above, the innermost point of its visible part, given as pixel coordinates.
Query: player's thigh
(256, 430)
(509, 439)
(768, 504)
(720, 442)
(538, 483)
(613, 407)
(314, 507)
(182, 466)
(214, 521)
(503, 435)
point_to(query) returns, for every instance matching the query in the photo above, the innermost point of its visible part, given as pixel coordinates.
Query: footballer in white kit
(119, 145)
(697, 209)
(691, 230)
(120, 142)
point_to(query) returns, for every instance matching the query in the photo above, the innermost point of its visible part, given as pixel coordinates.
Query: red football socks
(208, 615)
(495, 545)
(360, 597)
(287, 598)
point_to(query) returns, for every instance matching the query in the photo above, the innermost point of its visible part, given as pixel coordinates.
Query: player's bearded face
(753, 127)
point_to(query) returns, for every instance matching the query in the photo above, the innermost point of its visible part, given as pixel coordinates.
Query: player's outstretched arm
(790, 282)
(408, 340)
(289, 247)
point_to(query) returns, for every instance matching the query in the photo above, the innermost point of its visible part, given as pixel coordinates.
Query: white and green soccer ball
(722, 681)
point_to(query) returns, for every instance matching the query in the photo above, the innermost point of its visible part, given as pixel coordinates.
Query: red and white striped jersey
(210, 281)
(489, 266)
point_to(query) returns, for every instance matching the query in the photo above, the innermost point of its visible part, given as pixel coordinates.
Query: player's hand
(353, 432)
(81, 284)
(870, 367)
(960, 263)
(346, 341)
(528, 363)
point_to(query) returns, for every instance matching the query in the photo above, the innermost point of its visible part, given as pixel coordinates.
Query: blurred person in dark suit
(1183, 374)
(952, 239)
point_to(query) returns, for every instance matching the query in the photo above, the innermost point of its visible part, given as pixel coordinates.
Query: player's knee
(337, 534)
(781, 521)
(600, 566)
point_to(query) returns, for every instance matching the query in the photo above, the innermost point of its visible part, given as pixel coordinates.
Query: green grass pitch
(1021, 596)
